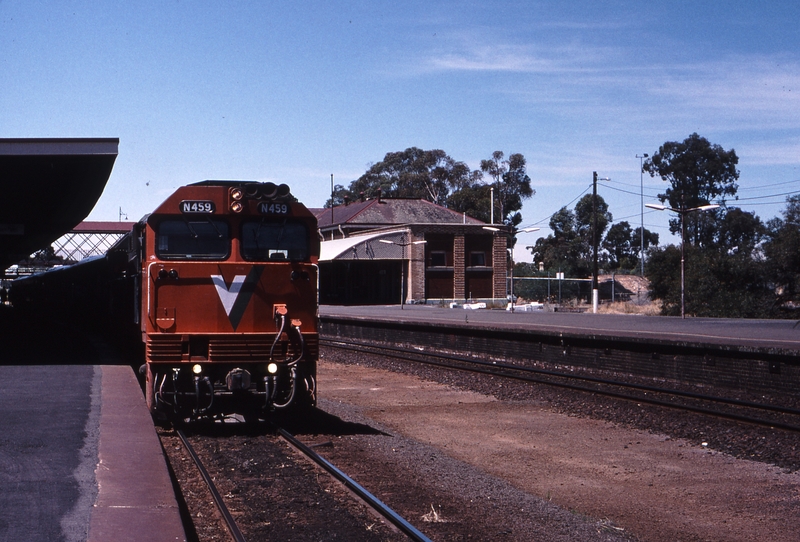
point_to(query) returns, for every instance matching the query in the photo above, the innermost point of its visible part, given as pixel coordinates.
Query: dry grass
(623, 307)
(434, 516)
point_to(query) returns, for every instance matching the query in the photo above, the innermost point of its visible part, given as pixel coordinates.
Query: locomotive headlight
(237, 194)
(272, 368)
(237, 206)
(197, 368)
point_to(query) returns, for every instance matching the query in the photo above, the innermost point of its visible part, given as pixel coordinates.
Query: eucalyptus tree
(622, 245)
(412, 173)
(782, 251)
(698, 173)
(511, 184)
(434, 176)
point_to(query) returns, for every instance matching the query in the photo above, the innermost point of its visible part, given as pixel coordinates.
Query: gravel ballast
(658, 474)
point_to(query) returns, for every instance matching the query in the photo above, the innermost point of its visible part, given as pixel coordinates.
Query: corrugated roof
(360, 247)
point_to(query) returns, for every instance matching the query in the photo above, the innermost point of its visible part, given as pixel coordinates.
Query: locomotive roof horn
(268, 190)
(252, 190)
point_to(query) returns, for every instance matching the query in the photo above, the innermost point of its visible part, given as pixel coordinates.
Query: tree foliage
(724, 250)
(622, 246)
(718, 283)
(436, 177)
(723, 277)
(412, 173)
(699, 173)
(569, 248)
(472, 199)
(511, 183)
(782, 251)
(584, 217)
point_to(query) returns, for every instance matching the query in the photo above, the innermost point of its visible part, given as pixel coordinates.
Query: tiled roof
(391, 211)
(103, 227)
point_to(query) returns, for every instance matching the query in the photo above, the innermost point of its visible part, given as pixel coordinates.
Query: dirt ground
(655, 487)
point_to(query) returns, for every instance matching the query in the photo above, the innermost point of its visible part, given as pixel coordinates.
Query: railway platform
(79, 455)
(775, 335)
(751, 357)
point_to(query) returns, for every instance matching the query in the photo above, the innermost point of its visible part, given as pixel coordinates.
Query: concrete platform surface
(80, 459)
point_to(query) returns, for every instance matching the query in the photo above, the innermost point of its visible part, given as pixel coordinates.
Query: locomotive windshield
(274, 241)
(193, 240)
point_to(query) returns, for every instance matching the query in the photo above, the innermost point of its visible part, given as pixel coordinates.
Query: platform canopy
(48, 186)
(364, 247)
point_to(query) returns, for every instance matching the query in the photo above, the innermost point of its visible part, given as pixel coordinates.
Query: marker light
(197, 368)
(272, 368)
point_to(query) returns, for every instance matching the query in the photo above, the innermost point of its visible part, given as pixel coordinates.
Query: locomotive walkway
(79, 456)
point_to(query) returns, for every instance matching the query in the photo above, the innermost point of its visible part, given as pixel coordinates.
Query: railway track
(393, 517)
(230, 522)
(762, 414)
(231, 525)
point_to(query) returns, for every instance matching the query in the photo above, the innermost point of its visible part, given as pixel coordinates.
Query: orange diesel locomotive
(225, 282)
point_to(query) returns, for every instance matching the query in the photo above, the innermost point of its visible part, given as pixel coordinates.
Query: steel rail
(680, 393)
(393, 517)
(493, 366)
(233, 528)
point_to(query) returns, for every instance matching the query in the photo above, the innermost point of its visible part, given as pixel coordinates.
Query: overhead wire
(770, 196)
(547, 218)
(749, 200)
(768, 185)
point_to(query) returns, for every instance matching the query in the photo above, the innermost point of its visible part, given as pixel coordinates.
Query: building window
(438, 258)
(477, 259)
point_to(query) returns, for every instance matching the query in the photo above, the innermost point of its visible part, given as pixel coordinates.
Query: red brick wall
(500, 260)
(458, 267)
(497, 258)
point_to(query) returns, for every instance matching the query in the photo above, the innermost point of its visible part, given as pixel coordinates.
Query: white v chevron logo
(227, 294)
(236, 297)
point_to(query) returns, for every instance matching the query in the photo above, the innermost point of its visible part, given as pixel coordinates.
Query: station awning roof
(48, 186)
(363, 247)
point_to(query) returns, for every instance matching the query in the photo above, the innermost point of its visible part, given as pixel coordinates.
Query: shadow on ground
(307, 422)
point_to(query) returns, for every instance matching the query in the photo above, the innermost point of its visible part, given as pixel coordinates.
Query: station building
(387, 251)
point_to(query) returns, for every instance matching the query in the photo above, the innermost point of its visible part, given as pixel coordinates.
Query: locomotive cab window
(193, 240)
(275, 241)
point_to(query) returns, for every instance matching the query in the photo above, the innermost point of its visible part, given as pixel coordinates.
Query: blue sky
(294, 92)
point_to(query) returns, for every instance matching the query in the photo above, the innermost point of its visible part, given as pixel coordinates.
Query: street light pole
(595, 291)
(491, 203)
(402, 244)
(641, 184)
(681, 213)
(683, 265)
